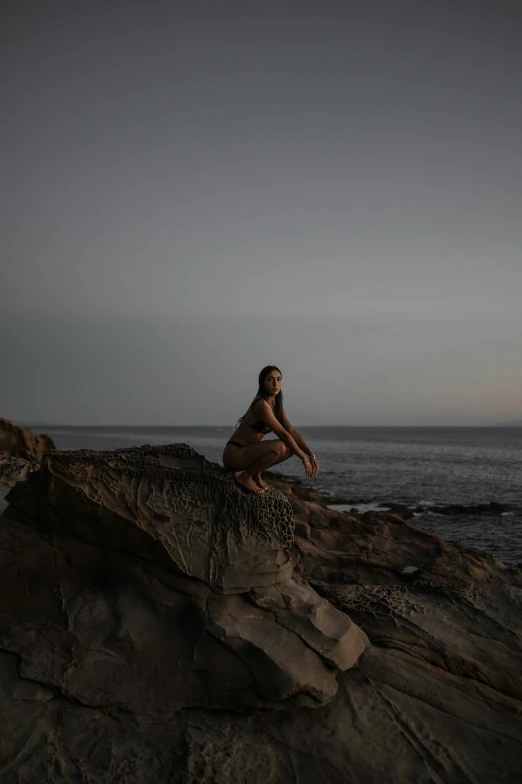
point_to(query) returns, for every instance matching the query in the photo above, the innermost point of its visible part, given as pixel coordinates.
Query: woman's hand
(308, 467)
(314, 464)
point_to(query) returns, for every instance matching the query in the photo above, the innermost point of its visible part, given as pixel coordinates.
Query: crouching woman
(247, 452)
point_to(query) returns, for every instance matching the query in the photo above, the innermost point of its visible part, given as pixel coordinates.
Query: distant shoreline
(23, 423)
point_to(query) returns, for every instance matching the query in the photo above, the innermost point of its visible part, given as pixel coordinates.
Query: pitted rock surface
(166, 455)
(440, 625)
(154, 573)
(268, 515)
(13, 470)
(171, 501)
(379, 601)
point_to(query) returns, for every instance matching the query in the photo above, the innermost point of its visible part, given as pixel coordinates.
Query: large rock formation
(164, 587)
(20, 452)
(16, 441)
(158, 624)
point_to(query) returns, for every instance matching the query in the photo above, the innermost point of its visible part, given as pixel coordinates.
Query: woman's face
(273, 382)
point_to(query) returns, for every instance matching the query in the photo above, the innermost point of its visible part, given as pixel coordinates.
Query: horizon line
(38, 423)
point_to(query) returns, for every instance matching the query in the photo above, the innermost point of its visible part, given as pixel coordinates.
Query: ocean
(428, 466)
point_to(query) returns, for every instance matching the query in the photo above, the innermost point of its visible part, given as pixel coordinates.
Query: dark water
(410, 465)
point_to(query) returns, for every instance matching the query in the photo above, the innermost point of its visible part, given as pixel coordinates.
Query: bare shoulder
(262, 406)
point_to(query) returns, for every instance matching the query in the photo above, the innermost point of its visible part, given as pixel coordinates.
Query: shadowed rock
(157, 623)
(145, 561)
(12, 470)
(167, 505)
(16, 441)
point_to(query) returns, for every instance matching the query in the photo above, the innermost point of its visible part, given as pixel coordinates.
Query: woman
(245, 450)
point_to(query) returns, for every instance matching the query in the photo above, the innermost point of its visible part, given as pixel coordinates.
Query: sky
(193, 190)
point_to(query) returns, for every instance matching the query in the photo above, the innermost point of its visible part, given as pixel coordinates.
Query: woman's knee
(283, 452)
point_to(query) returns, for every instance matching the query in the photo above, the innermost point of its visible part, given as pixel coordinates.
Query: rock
(49, 738)
(158, 624)
(282, 663)
(194, 520)
(400, 509)
(493, 508)
(298, 608)
(330, 500)
(12, 470)
(302, 529)
(433, 619)
(393, 719)
(16, 441)
(133, 581)
(376, 546)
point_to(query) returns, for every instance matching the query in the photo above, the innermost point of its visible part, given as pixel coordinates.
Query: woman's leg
(281, 459)
(253, 459)
(257, 477)
(262, 464)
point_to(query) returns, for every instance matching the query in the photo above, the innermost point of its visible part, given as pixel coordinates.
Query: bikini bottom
(235, 443)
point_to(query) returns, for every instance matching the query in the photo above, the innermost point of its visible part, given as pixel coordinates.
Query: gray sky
(193, 190)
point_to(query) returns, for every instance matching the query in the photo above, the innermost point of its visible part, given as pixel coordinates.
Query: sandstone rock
(298, 608)
(393, 720)
(47, 738)
(193, 520)
(15, 469)
(134, 651)
(281, 661)
(16, 441)
(127, 577)
(12, 470)
(493, 508)
(377, 546)
(439, 625)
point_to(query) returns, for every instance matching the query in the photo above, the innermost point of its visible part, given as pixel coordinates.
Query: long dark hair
(261, 392)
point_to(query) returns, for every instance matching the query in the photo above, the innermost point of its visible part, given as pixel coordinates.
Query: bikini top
(258, 426)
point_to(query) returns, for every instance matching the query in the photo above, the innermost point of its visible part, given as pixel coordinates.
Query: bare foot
(259, 482)
(248, 484)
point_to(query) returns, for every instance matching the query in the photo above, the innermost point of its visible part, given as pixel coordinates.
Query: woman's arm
(298, 438)
(268, 416)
